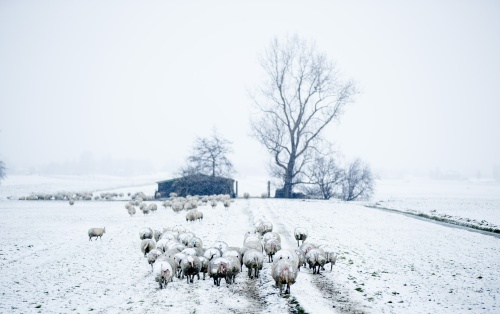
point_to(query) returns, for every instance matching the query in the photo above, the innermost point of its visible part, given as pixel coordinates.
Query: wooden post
(236, 189)
(268, 189)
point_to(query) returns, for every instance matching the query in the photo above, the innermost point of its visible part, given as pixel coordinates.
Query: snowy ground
(388, 263)
(467, 201)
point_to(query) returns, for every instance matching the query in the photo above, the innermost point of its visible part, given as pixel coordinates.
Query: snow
(476, 202)
(387, 263)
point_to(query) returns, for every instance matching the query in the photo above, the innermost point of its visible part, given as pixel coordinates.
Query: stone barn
(197, 184)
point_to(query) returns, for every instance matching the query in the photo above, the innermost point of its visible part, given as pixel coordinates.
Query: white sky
(138, 80)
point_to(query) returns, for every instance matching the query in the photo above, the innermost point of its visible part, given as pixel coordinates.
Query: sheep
(217, 269)
(234, 268)
(184, 237)
(330, 255)
(227, 203)
(300, 234)
(253, 260)
(199, 215)
(271, 235)
(301, 256)
(257, 245)
(190, 266)
(71, 201)
(157, 235)
(130, 209)
(221, 245)
(146, 233)
(271, 247)
(264, 227)
(203, 265)
(195, 242)
(177, 207)
(213, 203)
(191, 215)
(177, 263)
(234, 252)
(287, 255)
(153, 256)
(147, 245)
(306, 247)
(162, 244)
(152, 207)
(163, 273)
(284, 273)
(316, 260)
(96, 232)
(212, 252)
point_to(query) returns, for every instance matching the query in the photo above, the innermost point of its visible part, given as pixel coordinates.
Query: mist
(125, 87)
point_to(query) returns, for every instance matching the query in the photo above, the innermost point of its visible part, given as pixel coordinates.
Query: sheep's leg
(250, 273)
(298, 243)
(287, 291)
(331, 266)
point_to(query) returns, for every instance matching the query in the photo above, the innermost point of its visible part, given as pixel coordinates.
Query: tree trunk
(288, 186)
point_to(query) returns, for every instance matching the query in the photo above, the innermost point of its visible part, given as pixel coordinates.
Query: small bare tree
(210, 157)
(302, 94)
(325, 175)
(358, 181)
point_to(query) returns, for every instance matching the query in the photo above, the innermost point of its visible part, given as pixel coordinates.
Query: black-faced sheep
(300, 234)
(217, 269)
(96, 232)
(190, 266)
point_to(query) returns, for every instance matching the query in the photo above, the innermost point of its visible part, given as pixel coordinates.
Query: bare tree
(210, 157)
(325, 175)
(358, 181)
(2, 170)
(302, 94)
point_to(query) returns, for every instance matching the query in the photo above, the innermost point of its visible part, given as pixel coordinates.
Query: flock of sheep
(175, 252)
(178, 253)
(83, 196)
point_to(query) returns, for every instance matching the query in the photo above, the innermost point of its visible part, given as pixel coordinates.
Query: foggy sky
(132, 83)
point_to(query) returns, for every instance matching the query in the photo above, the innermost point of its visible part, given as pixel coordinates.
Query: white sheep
(271, 247)
(163, 273)
(153, 256)
(146, 233)
(284, 273)
(316, 259)
(253, 260)
(96, 232)
(147, 245)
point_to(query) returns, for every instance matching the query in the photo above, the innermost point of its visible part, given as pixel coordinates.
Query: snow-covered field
(463, 200)
(387, 263)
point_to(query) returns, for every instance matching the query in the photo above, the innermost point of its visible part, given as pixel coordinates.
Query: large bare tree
(302, 93)
(210, 157)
